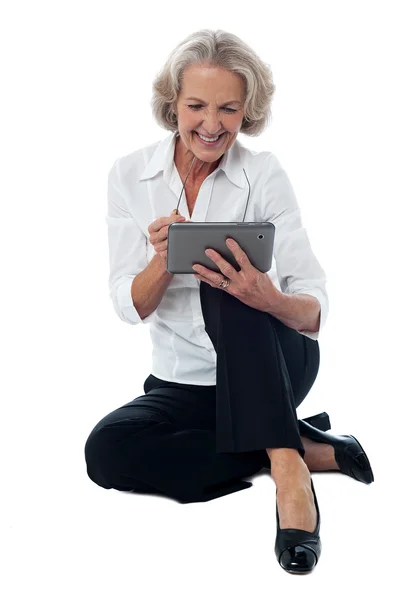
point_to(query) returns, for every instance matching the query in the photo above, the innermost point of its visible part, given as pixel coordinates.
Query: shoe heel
(320, 421)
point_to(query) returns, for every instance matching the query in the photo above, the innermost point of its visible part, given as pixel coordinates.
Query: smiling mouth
(218, 138)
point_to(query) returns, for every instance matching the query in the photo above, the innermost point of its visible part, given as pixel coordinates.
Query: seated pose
(235, 352)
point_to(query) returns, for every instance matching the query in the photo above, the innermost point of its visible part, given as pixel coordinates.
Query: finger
(238, 253)
(159, 235)
(225, 267)
(208, 275)
(205, 280)
(162, 233)
(162, 221)
(161, 246)
(156, 225)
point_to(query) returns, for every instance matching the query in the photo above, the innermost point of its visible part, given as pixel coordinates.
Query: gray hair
(220, 49)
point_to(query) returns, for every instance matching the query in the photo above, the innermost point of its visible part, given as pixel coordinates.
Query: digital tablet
(187, 243)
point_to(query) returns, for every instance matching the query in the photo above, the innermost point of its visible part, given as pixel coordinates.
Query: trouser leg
(167, 440)
(164, 441)
(256, 395)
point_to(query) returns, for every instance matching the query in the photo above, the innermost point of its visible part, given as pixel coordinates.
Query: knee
(107, 455)
(102, 452)
(98, 450)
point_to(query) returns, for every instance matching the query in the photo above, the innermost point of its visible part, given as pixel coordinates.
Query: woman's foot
(296, 508)
(319, 456)
(295, 500)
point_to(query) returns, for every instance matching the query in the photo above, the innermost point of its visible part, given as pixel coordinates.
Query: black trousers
(195, 443)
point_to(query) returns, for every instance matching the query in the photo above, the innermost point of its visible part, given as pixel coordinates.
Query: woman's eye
(198, 106)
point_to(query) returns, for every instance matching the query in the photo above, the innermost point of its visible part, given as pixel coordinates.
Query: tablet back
(187, 243)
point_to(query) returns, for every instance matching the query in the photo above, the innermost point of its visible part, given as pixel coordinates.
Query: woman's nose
(212, 122)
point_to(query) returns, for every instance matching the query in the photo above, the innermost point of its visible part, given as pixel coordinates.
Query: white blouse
(145, 185)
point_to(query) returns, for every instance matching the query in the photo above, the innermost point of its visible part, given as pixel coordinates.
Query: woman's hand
(249, 285)
(158, 231)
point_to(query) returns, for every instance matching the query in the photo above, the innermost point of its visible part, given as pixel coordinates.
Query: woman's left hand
(249, 285)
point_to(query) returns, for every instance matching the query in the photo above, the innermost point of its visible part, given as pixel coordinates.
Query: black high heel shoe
(349, 454)
(297, 550)
(320, 421)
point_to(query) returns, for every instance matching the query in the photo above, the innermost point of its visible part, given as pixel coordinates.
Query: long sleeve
(297, 267)
(127, 246)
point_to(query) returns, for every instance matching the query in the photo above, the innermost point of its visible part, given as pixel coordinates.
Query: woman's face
(211, 103)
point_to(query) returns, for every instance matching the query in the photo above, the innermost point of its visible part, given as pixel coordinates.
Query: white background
(76, 94)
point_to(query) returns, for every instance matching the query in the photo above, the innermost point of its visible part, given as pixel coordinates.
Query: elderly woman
(234, 352)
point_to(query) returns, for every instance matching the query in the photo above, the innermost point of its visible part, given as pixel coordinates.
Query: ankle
(287, 467)
(283, 456)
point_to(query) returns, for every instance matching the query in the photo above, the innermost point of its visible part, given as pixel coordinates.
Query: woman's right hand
(158, 231)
